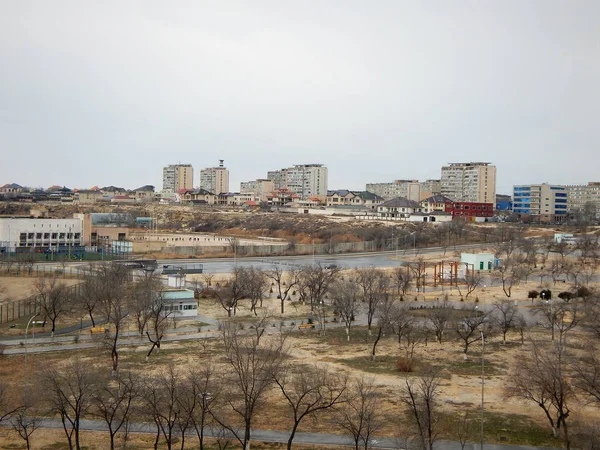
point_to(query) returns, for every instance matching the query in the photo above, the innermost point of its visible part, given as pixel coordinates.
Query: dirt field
(17, 288)
(506, 420)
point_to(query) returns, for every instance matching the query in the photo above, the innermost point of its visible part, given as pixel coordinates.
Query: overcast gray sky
(108, 92)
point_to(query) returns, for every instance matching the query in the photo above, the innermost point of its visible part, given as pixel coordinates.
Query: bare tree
(419, 272)
(402, 279)
(142, 297)
(505, 317)
(361, 415)
(420, 396)
(7, 407)
(309, 391)
(587, 377)
(510, 273)
(372, 284)
(559, 315)
(256, 286)
(231, 292)
(161, 394)
(53, 299)
(384, 316)
(439, 317)
(69, 393)
(158, 321)
(89, 293)
(113, 401)
(283, 284)
(541, 377)
(470, 327)
(204, 395)
(345, 302)
(462, 429)
(113, 290)
(471, 281)
(24, 421)
(253, 363)
(315, 281)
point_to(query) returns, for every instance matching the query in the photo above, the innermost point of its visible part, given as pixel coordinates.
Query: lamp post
(205, 397)
(25, 363)
(482, 384)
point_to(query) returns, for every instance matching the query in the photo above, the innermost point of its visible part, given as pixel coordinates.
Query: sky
(108, 92)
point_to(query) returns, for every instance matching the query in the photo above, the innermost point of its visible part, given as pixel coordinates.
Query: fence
(16, 309)
(275, 250)
(40, 270)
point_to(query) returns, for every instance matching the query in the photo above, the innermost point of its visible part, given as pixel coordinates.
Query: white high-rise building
(178, 176)
(305, 180)
(215, 179)
(469, 182)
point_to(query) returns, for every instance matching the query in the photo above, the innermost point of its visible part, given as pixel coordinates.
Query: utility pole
(482, 383)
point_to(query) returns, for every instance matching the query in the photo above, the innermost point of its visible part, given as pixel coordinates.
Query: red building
(470, 210)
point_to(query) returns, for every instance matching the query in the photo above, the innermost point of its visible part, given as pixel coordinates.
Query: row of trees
(109, 295)
(219, 398)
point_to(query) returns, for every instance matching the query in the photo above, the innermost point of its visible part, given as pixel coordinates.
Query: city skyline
(110, 93)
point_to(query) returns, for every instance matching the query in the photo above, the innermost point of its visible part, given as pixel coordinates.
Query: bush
(404, 365)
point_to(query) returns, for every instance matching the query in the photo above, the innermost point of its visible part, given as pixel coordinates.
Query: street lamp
(26, 330)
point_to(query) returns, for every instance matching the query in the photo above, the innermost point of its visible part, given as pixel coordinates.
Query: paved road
(343, 260)
(300, 438)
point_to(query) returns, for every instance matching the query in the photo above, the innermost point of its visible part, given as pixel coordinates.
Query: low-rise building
(398, 208)
(470, 210)
(180, 303)
(435, 203)
(344, 197)
(144, 193)
(85, 197)
(478, 261)
(40, 234)
(12, 188)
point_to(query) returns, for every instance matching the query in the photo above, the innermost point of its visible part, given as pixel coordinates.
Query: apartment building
(261, 188)
(409, 189)
(473, 182)
(305, 180)
(543, 202)
(584, 198)
(178, 176)
(430, 188)
(215, 179)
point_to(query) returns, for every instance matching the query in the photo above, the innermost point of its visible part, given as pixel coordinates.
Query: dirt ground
(511, 421)
(17, 288)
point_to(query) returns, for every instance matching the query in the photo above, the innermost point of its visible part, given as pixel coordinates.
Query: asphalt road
(300, 438)
(342, 260)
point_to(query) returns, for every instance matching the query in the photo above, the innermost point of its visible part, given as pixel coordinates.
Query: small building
(566, 238)
(435, 203)
(180, 302)
(478, 261)
(470, 210)
(398, 208)
(432, 217)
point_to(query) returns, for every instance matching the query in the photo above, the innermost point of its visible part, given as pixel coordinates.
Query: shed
(181, 302)
(478, 261)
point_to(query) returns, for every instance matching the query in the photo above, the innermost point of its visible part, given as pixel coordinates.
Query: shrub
(404, 365)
